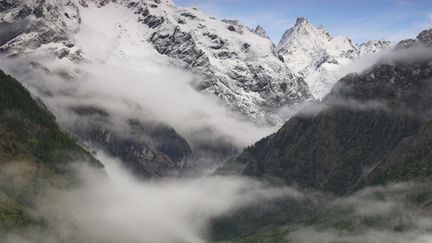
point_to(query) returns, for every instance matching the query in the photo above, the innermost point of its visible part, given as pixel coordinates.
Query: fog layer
(119, 208)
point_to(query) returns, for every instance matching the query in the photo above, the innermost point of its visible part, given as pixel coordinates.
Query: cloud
(381, 214)
(119, 208)
(373, 236)
(124, 75)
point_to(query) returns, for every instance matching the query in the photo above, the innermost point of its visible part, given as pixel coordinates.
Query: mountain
(239, 66)
(259, 30)
(372, 47)
(150, 147)
(423, 39)
(315, 55)
(233, 63)
(34, 154)
(150, 150)
(372, 128)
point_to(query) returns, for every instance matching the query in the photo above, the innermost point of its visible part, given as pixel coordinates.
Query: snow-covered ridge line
(237, 65)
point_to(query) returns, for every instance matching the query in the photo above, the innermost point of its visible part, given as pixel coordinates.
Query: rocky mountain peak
(259, 30)
(242, 69)
(303, 29)
(301, 21)
(391, 95)
(231, 61)
(425, 37)
(373, 46)
(307, 49)
(315, 55)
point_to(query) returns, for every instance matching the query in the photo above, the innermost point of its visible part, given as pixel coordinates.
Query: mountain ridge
(248, 77)
(35, 154)
(360, 134)
(315, 55)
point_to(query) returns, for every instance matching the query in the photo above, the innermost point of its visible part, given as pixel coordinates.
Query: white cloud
(119, 208)
(127, 77)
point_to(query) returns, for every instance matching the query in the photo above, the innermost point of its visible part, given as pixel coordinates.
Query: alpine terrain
(145, 121)
(372, 129)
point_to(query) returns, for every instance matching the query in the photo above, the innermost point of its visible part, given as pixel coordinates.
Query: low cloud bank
(120, 72)
(384, 214)
(119, 208)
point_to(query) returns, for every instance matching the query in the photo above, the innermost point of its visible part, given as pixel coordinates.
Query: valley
(142, 121)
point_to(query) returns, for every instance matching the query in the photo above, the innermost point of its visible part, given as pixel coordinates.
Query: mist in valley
(114, 206)
(120, 74)
(117, 207)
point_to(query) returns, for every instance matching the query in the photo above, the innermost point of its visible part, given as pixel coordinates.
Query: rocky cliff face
(364, 132)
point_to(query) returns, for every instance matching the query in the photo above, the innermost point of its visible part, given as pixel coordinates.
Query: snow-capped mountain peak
(303, 29)
(315, 55)
(230, 61)
(425, 37)
(259, 30)
(239, 66)
(374, 46)
(305, 48)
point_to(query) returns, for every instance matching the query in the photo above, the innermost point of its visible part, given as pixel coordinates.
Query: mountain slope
(361, 133)
(315, 55)
(148, 149)
(411, 159)
(231, 62)
(234, 64)
(34, 153)
(238, 66)
(67, 40)
(32, 129)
